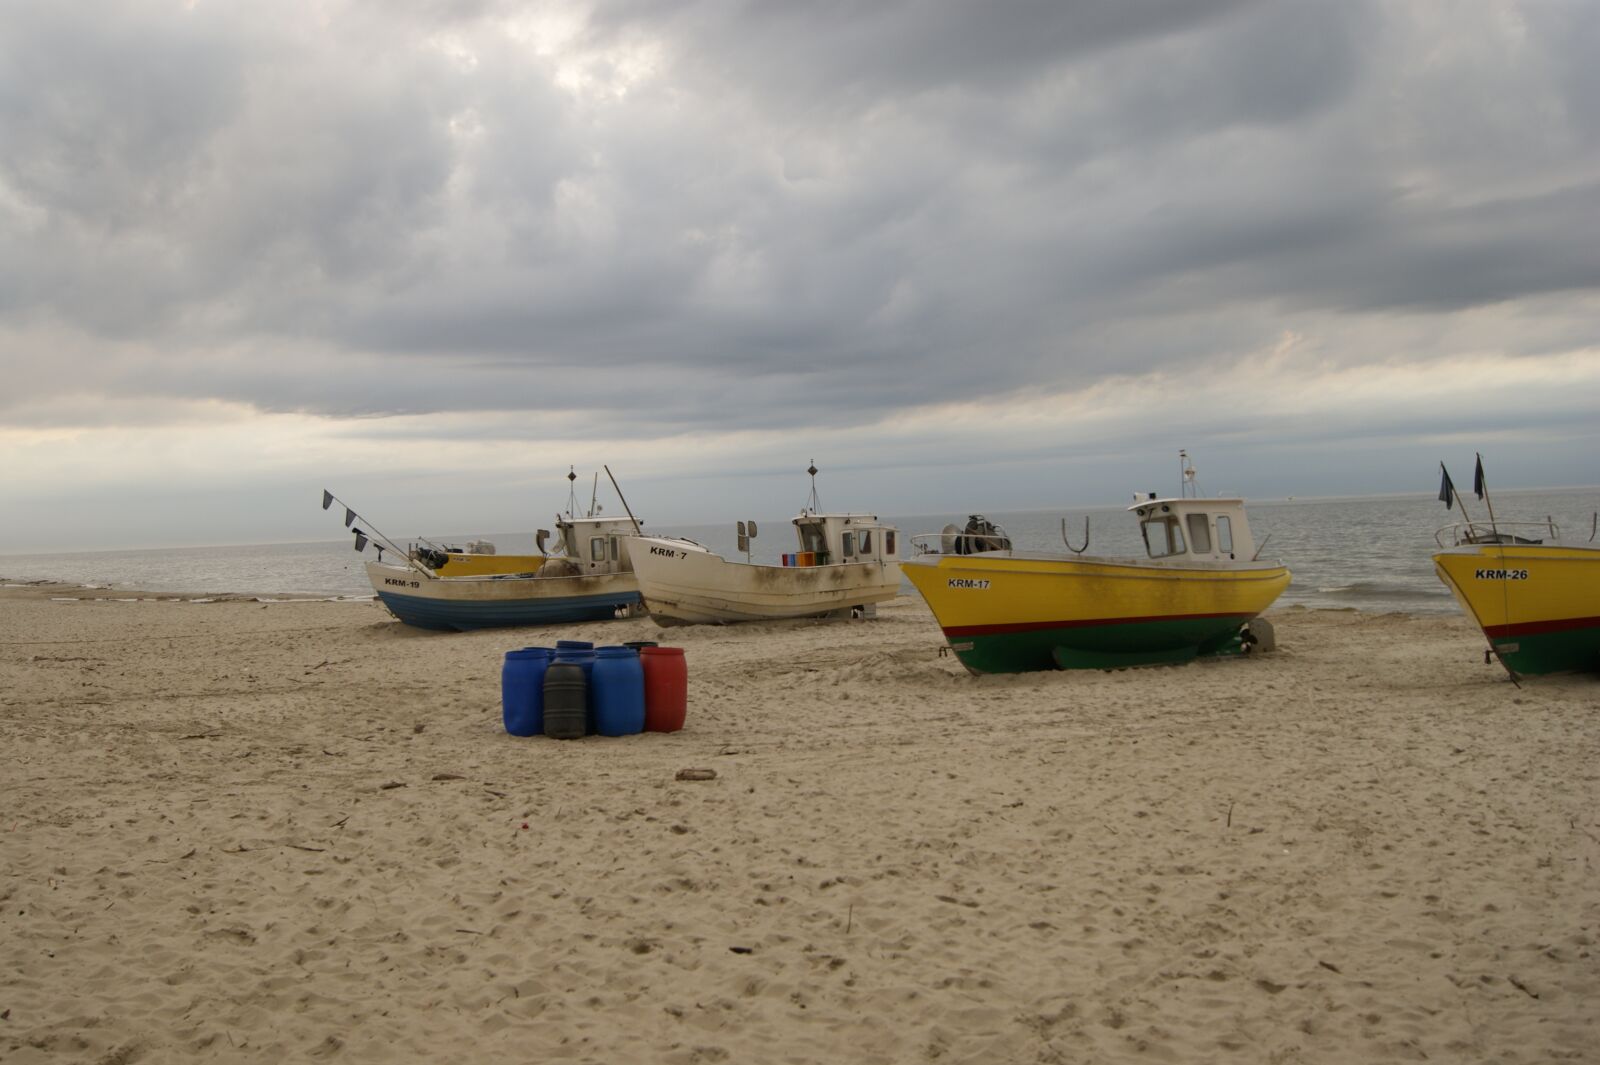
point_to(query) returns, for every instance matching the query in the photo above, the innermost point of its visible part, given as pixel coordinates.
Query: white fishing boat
(585, 575)
(846, 564)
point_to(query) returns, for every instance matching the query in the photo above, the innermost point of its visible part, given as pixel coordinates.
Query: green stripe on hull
(1567, 651)
(1106, 646)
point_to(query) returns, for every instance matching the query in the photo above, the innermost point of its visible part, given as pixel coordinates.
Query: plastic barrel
(522, 690)
(580, 653)
(616, 693)
(666, 688)
(565, 695)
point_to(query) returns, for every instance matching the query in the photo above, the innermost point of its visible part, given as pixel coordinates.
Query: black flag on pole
(1478, 487)
(349, 517)
(361, 540)
(327, 499)
(1447, 490)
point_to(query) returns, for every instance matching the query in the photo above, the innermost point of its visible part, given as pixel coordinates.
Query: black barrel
(565, 699)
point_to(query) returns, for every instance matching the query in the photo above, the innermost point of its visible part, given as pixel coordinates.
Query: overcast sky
(430, 253)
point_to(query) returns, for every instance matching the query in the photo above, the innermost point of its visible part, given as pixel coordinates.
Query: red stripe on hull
(1537, 628)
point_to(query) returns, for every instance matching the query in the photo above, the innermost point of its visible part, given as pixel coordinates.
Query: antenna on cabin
(1188, 489)
(812, 504)
(594, 494)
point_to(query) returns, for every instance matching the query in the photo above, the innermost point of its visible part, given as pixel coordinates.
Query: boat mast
(1188, 488)
(636, 530)
(812, 504)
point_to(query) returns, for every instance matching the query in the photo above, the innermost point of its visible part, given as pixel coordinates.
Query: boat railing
(1468, 533)
(964, 543)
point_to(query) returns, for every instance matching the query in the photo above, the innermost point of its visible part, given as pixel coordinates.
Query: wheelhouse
(1206, 530)
(598, 545)
(831, 538)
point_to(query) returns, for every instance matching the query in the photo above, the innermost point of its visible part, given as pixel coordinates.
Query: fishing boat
(846, 564)
(584, 576)
(1199, 591)
(1534, 594)
(479, 558)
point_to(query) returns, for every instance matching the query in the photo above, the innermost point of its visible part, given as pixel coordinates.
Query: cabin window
(1225, 535)
(847, 544)
(613, 549)
(888, 543)
(1199, 534)
(597, 548)
(1163, 537)
(866, 541)
(811, 538)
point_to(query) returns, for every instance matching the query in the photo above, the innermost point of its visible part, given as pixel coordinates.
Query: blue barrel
(616, 691)
(522, 690)
(565, 696)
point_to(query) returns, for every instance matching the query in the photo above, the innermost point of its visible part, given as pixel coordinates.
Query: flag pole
(1449, 486)
(1480, 488)
(376, 536)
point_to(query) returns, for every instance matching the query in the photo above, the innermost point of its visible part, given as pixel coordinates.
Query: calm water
(1368, 554)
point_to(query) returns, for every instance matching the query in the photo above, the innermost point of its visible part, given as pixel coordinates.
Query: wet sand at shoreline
(251, 831)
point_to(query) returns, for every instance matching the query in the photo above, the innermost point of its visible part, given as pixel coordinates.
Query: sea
(1361, 553)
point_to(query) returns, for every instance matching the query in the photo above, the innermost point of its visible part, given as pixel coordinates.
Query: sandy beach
(267, 831)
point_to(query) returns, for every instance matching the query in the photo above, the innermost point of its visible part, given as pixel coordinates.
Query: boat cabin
(597, 545)
(826, 539)
(1205, 530)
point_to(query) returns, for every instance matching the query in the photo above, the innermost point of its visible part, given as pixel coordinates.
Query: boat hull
(699, 588)
(461, 604)
(1537, 604)
(1011, 614)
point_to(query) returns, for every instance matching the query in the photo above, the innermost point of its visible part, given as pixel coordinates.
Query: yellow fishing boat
(1008, 611)
(1535, 596)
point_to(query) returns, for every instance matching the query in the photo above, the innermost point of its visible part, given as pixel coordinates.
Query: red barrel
(666, 688)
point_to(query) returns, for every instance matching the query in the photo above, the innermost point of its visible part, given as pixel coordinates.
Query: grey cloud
(102, 116)
(822, 56)
(810, 215)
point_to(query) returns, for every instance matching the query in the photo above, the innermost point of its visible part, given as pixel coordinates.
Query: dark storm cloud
(802, 214)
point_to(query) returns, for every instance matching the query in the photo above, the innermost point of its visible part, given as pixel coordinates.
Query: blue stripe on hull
(459, 616)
